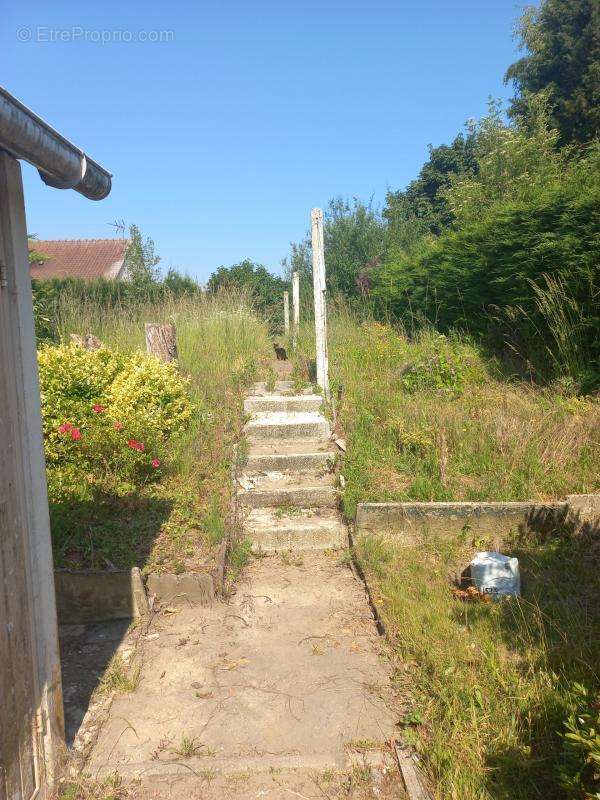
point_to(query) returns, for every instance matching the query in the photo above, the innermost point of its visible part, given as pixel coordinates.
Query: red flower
(155, 463)
(135, 445)
(75, 434)
(66, 427)
(119, 426)
(98, 409)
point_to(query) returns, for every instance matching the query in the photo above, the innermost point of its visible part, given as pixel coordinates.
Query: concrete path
(283, 691)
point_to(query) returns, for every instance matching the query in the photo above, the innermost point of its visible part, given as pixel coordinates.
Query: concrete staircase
(282, 689)
(287, 487)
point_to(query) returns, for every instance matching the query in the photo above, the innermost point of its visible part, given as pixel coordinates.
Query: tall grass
(175, 524)
(427, 418)
(490, 686)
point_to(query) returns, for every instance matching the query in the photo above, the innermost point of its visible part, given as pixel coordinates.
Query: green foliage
(172, 517)
(354, 242)
(106, 417)
(141, 263)
(441, 364)
(106, 295)
(179, 285)
(422, 207)
(580, 767)
(482, 276)
(266, 289)
(239, 557)
(562, 43)
(513, 162)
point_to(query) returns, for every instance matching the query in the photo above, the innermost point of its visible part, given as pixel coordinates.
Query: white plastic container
(496, 574)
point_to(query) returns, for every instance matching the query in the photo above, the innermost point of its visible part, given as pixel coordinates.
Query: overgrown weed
(429, 418)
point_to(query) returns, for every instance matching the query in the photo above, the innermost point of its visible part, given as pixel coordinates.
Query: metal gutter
(60, 163)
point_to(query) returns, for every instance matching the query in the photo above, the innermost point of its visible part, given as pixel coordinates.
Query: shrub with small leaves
(107, 417)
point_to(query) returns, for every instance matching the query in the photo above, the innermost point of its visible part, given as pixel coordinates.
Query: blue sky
(223, 137)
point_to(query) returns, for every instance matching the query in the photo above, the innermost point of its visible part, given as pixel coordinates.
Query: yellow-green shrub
(154, 393)
(107, 416)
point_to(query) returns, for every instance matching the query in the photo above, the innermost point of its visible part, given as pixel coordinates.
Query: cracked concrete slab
(289, 675)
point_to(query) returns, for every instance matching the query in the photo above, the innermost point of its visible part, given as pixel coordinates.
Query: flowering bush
(107, 416)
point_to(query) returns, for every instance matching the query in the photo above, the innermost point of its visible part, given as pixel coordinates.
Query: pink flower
(135, 445)
(119, 426)
(75, 434)
(155, 463)
(98, 409)
(66, 427)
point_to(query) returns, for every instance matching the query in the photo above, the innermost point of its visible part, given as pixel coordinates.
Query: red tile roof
(78, 258)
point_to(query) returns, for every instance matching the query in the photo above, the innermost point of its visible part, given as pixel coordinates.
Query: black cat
(280, 352)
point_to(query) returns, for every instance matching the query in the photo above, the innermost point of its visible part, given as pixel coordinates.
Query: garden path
(284, 690)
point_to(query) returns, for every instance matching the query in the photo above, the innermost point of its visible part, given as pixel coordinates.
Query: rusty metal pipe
(61, 165)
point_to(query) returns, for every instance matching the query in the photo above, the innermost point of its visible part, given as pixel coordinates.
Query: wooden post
(319, 289)
(286, 313)
(295, 306)
(161, 341)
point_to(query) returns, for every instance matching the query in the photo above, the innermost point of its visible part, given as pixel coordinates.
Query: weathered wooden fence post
(161, 341)
(319, 289)
(286, 313)
(295, 306)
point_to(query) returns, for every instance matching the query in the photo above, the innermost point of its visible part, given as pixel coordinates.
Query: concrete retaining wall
(97, 596)
(411, 523)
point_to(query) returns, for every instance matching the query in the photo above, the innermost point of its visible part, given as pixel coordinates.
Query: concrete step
(272, 531)
(273, 402)
(283, 425)
(280, 387)
(285, 491)
(290, 455)
(314, 461)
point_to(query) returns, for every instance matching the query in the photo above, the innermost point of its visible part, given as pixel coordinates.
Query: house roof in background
(78, 258)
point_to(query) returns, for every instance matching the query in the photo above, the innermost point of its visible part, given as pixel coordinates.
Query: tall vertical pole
(286, 313)
(295, 305)
(319, 289)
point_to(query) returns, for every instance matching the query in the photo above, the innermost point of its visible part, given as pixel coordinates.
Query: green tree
(561, 40)
(266, 289)
(512, 162)
(520, 267)
(422, 207)
(180, 284)
(140, 259)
